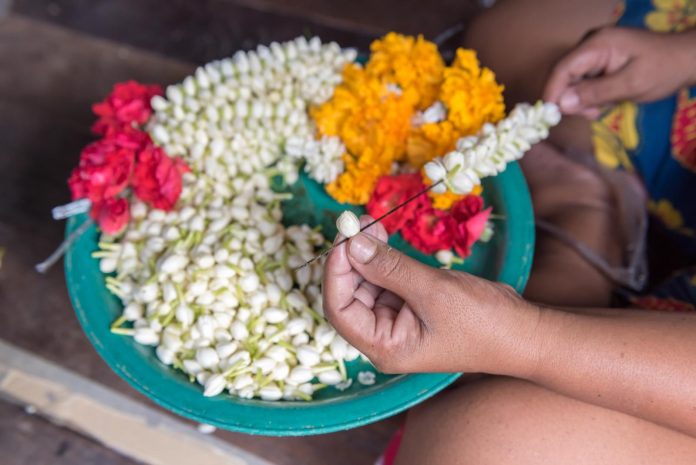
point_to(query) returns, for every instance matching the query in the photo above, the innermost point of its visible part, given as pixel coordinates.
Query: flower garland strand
(489, 152)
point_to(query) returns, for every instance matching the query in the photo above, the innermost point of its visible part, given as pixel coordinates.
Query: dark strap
(631, 276)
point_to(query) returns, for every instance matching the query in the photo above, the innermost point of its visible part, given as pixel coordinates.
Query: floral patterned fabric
(657, 140)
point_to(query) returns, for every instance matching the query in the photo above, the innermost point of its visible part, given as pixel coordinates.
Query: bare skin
(629, 371)
(572, 387)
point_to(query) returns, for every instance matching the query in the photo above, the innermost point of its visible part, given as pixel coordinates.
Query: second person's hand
(616, 64)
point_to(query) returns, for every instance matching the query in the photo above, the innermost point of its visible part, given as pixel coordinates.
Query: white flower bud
(108, 265)
(239, 331)
(165, 355)
(246, 393)
(133, 311)
(146, 336)
(249, 283)
(300, 375)
(265, 364)
(330, 377)
(275, 315)
(348, 224)
(324, 334)
(192, 367)
(339, 348)
(303, 276)
(300, 339)
(280, 372)
(173, 263)
(148, 293)
(278, 353)
(242, 357)
(214, 385)
(225, 350)
(445, 257)
(270, 392)
(184, 315)
(366, 378)
(207, 357)
(242, 382)
(296, 326)
(222, 335)
(307, 355)
(171, 341)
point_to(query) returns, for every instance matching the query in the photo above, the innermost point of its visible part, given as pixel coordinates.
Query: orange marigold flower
(413, 64)
(373, 109)
(471, 94)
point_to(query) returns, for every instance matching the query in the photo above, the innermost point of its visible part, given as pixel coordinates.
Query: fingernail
(362, 248)
(569, 100)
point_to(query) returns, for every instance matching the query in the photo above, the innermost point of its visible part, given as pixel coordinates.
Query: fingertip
(569, 101)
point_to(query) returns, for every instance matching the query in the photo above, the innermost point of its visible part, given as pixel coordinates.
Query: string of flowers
(489, 152)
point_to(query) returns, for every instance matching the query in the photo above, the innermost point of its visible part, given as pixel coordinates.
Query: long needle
(372, 223)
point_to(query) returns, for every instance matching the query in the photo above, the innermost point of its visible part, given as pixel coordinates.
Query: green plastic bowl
(506, 258)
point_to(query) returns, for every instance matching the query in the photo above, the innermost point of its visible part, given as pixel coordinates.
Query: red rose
(111, 215)
(126, 106)
(431, 230)
(391, 191)
(104, 170)
(469, 223)
(157, 178)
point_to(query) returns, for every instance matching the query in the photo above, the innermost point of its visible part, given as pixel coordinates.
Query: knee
(477, 423)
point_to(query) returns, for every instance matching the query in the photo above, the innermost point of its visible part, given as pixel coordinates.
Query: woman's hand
(617, 64)
(408, 317)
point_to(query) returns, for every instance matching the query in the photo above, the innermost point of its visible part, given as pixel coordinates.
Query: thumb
(388, 268)
(596, 92)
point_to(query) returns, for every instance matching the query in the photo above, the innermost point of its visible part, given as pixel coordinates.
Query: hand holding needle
(343, 241)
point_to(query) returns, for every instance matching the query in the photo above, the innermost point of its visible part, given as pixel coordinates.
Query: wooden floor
(58, 57)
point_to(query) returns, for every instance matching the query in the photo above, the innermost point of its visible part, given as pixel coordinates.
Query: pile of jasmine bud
(212, 287)
(234, 115)
(489, 152)
(213, 284)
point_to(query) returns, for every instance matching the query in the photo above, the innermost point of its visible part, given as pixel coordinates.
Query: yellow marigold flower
(429, 141)
(414, 64)
(372, 111)
(471, 94)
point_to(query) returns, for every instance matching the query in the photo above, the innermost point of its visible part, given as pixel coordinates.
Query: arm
(408, 317)
(636, 362)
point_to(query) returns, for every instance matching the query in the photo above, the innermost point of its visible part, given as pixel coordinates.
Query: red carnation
(469, 223)
(127, 106)
(431, 230)
(111, 215)
(157, 177)
(104, 170)
(391, 191)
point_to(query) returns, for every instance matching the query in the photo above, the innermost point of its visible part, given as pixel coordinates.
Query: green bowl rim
(330, 415)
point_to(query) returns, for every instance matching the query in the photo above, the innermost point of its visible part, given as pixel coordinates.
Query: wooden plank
(36, 441)
(122, 424)
(50, 77)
